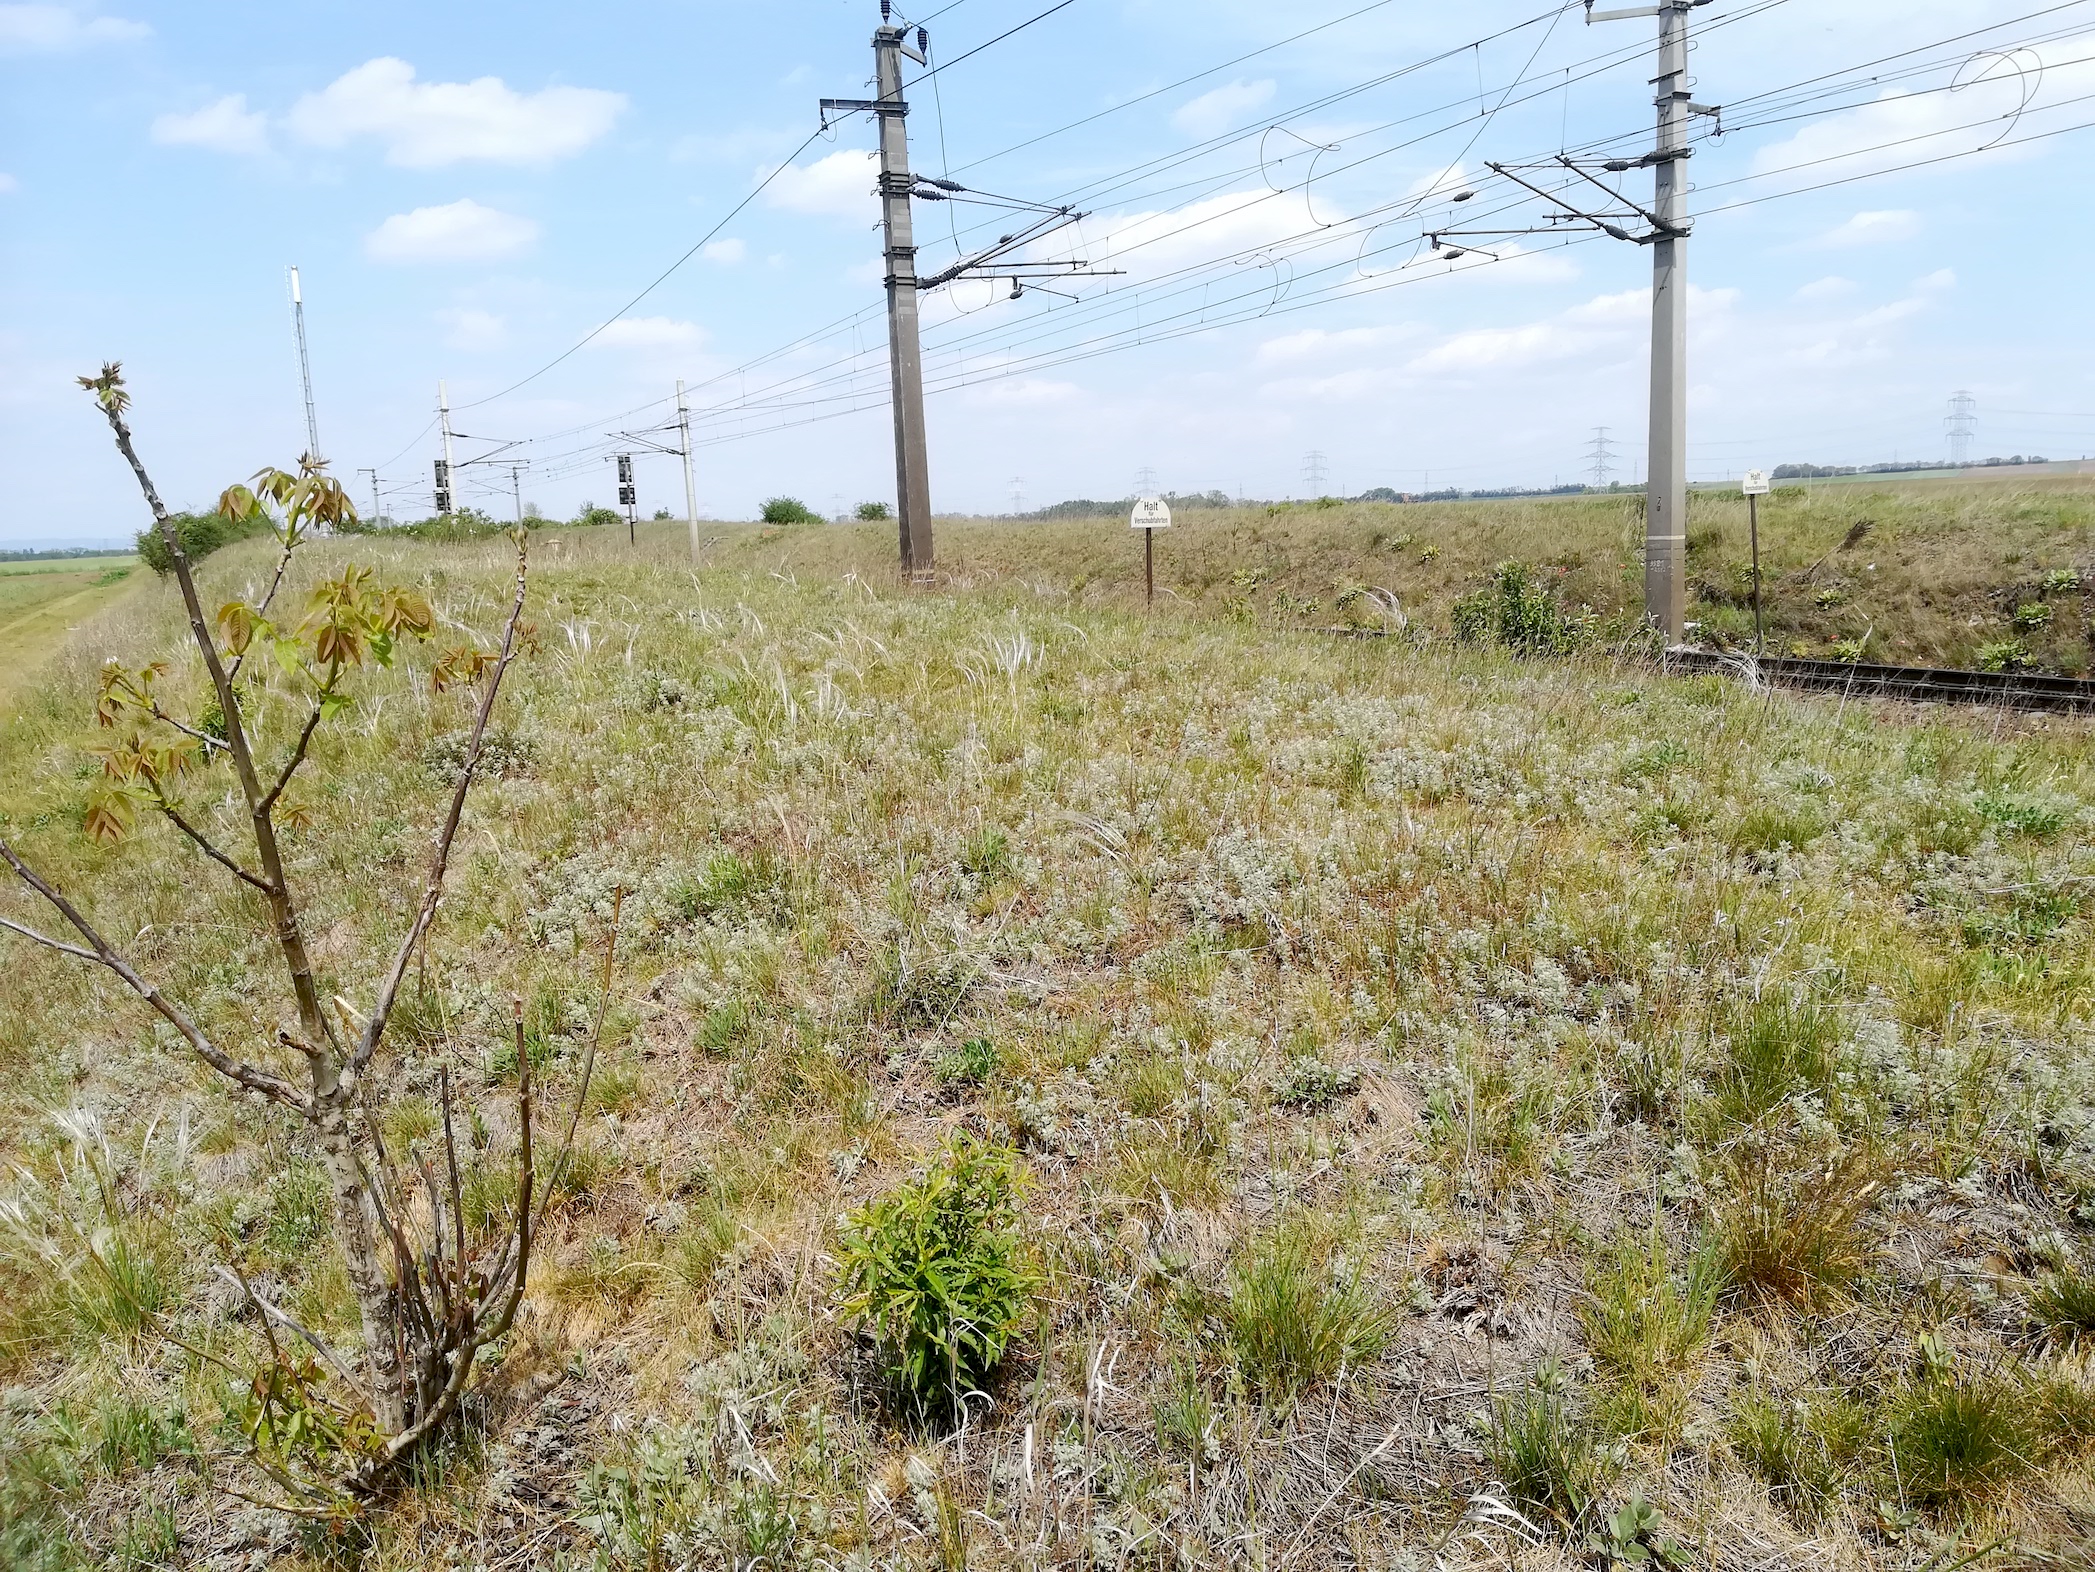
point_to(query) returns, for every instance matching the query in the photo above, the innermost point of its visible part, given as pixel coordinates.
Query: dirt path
(28, 640)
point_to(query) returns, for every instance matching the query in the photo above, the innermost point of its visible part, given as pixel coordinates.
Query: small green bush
(2040, 818)
(464, 524)
(1311, 1085)
(1519, 612)
(2032, 617)
(972, 1063)
(986, 855)
(937, 1271)
(593, 516)
(2005, 655)
(1775, 1046)
(789, 510)
(873, 512)
(1796, 1447)
(200, 534)
(1790, 1228)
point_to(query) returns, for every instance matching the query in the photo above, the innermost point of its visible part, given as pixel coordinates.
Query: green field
(1456, 1097)
(41, 602)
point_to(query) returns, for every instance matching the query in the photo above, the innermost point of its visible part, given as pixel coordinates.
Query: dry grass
(1346, 1000)
(1920, 572)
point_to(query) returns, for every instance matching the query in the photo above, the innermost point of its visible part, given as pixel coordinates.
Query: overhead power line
(1154, 331)
(659, 278)
(949, 64)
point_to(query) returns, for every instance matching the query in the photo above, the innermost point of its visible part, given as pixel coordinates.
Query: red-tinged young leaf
(110, 816)
(238, 504)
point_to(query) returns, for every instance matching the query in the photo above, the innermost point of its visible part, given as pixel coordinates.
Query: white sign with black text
(1150, 513)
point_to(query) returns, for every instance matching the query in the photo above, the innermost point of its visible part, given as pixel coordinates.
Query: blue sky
(469, 189)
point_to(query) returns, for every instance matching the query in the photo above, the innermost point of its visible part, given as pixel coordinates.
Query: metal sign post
(1755, 486)
(1151, 514)
(628, 497)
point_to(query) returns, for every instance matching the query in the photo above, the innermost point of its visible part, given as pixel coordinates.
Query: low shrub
(972, 1063)
(1791, 1445)
(1644, 1321)
(2005, 655)
(1519, 612)
(200, 534)
(873, 512)
(1773, 1047)
(937, 1272)
(789, 510)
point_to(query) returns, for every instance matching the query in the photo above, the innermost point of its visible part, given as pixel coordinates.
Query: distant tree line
(54, 553)
(1827, 471)
(1092, 508)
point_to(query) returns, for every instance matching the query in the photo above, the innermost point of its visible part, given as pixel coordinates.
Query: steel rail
(2021, 690)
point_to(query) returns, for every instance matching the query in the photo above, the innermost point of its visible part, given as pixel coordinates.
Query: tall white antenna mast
(305, 371)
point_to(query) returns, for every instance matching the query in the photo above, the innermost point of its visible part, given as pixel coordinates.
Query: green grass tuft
(1294, 1318)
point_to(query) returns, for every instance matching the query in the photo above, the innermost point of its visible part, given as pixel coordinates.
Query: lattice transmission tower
(1962, 423)
(1600, 457)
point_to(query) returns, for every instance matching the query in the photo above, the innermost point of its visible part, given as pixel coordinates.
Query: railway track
(1921, 684)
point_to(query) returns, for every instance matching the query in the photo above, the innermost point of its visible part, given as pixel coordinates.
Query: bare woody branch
(290, 938)
(255, 1080)
(298, 754)
(518, 1254)
(188, 730)
(204, 845)
(47, 941)
(440, 851)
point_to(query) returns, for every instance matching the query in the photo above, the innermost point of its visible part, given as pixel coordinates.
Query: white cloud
(1613, 324)
(648, 333)
(726, 252)
(1941, 278)
(461, 231)
(473, 330)
(60, 29)
(224, 126)
(1832, 287)
(1875, 227)
(426, 125)
(839, 186)
(1868, 337)
(1156, 242)
(1215, 112)
(9, 185)
(1319, 344)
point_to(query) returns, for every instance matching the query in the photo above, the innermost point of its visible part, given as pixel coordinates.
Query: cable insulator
(924, 41)
(887, 10)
